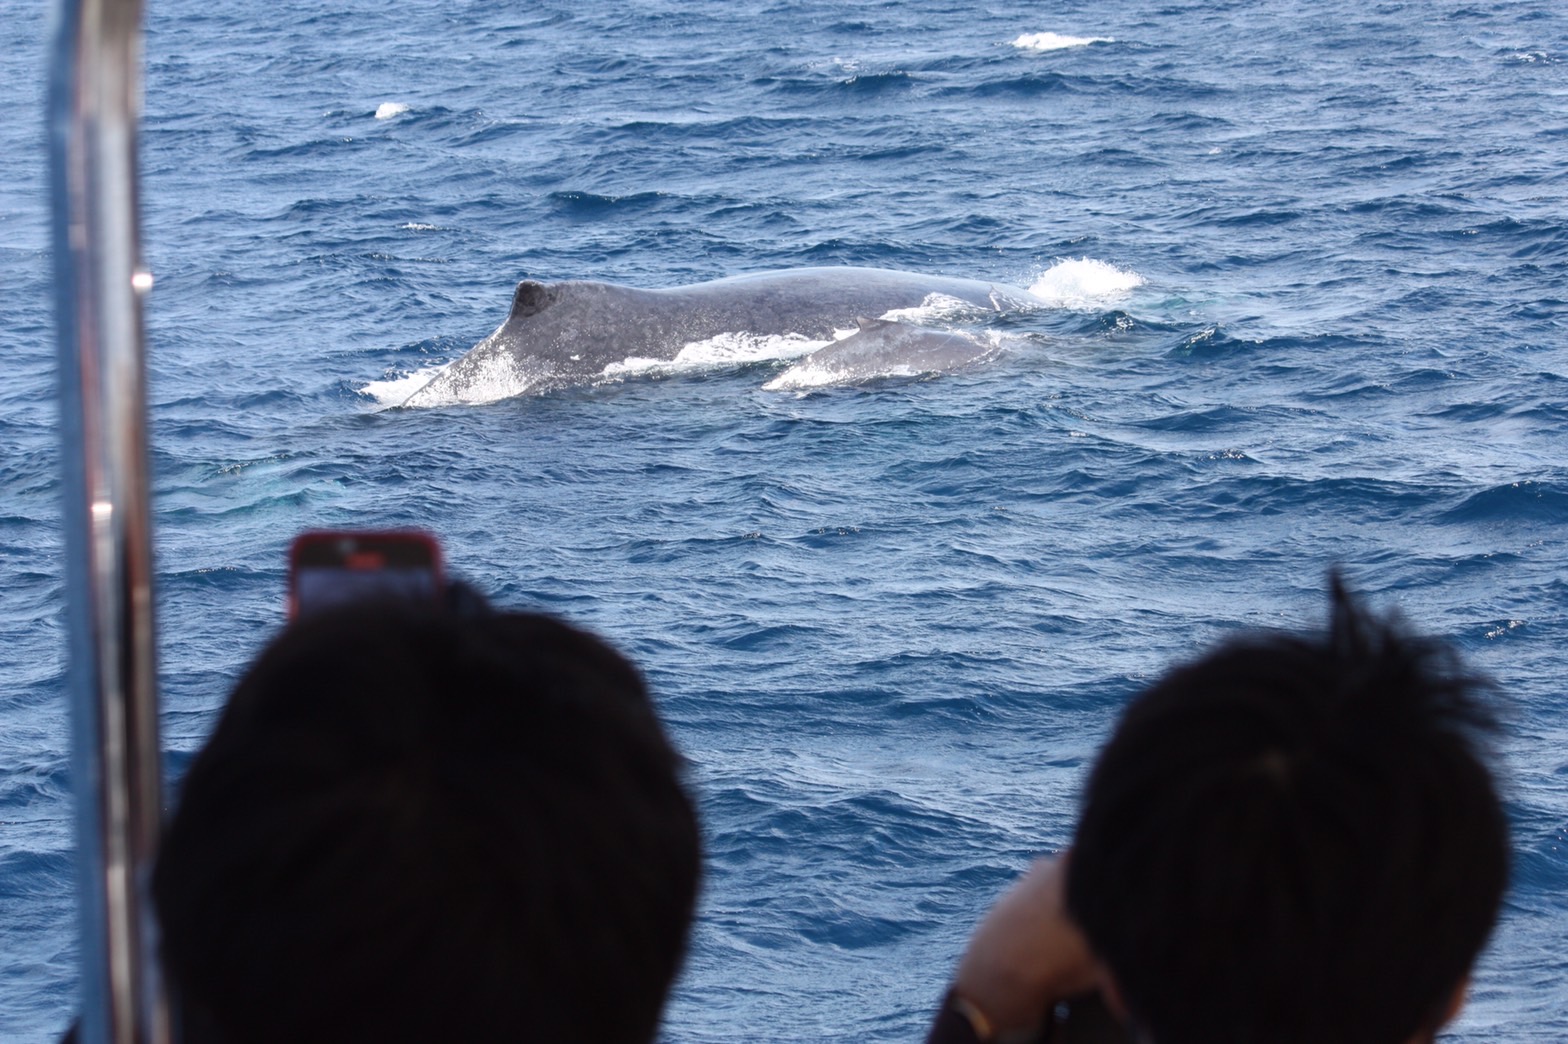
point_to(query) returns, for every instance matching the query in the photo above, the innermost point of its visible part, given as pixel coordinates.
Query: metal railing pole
(95, 104)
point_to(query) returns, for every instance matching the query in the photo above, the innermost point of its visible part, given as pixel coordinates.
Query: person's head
(1294, 838)
(417, 825)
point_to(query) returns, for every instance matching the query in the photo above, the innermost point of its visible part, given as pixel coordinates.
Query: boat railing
(100, 281)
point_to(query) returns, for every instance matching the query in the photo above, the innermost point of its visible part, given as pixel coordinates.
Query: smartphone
(329, 568)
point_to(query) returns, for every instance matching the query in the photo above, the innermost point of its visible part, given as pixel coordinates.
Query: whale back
(533, 298)
(558, 334)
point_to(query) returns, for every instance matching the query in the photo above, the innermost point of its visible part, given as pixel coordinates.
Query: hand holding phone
(328, 568)
(1027, 957)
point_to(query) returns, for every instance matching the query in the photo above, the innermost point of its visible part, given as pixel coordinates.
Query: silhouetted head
(1293, 839)
(415, 824)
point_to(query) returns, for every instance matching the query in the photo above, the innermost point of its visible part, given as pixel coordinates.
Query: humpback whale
(884, 348)
(568, 333)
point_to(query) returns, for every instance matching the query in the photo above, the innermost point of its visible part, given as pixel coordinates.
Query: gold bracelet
(978, 1020)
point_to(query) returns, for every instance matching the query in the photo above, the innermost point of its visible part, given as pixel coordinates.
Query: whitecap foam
(1084, 283)
(387, 110)
(1056, 41)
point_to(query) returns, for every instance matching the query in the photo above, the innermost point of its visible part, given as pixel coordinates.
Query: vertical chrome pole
(95, 103)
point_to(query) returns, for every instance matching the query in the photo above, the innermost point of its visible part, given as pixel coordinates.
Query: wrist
(988, 1029)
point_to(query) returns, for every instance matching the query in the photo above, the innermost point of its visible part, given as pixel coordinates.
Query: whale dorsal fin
(531, 298)
(863, 323)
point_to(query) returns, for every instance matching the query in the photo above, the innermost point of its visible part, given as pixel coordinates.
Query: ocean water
(1307, 274)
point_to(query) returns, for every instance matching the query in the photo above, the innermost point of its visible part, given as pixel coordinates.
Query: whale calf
(884, 348)
(563, 334)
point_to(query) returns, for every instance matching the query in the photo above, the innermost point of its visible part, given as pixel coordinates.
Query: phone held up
(329, 568)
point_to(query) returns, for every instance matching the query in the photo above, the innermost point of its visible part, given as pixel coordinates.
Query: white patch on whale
(935, 308)
(493, 378)
(724, 350)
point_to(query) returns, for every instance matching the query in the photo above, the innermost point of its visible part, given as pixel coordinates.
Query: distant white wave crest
(1056, 41)
(387, 110)
(1084, 283)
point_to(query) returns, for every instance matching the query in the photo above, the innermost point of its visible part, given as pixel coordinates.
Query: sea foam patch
(1056, 41)
(1084, 283)
(388, 110)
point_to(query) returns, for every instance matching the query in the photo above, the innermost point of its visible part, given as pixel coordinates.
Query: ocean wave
(698, 128)
(877, 83)
(593, 205)
(1032, 85)
(858, 84)
(1211, 342)
(1527, 500)
(1543, 866)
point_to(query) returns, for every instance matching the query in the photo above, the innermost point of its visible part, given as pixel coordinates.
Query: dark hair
(416, 825)
(1295, 839)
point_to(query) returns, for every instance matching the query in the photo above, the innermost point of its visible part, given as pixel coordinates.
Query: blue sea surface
(1307, 266)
